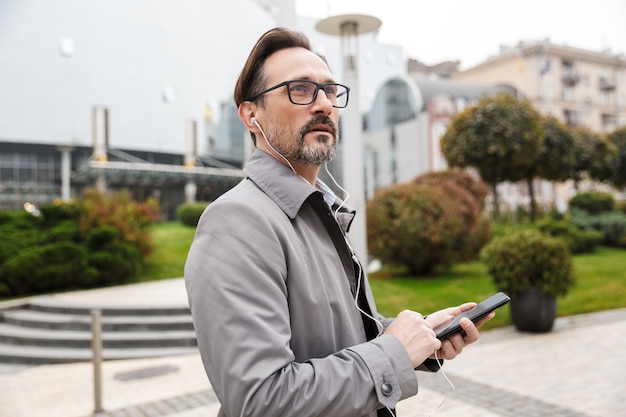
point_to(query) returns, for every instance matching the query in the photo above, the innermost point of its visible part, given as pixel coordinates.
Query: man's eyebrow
(307, 78)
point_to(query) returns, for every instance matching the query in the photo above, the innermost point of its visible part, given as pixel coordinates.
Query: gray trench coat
(273, 303)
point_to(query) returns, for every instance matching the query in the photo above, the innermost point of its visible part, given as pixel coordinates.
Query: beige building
(577, 86)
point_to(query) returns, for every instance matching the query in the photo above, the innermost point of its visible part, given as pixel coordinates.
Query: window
(568, 94)
(604, 97)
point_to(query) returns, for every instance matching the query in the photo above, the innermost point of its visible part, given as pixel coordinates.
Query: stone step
(27, 317)
(53, 305)
(36, 355)
(23, 336)
(47, 330)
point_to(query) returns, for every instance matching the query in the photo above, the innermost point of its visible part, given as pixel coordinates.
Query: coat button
(386, 389)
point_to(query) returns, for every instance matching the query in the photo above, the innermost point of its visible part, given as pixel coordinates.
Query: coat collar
(288, 190)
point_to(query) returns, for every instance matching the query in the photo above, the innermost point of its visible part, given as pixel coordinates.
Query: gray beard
(306, 154)
(301, 153)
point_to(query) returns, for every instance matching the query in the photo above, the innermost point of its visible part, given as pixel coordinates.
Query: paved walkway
(577, 370)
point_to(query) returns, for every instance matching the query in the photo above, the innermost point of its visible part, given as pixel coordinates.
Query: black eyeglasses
(303, 92)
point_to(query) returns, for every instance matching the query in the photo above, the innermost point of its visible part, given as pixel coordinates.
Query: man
(285, 319)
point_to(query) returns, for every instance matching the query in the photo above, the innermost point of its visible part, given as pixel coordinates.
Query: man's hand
(453, 345)
(416, 335)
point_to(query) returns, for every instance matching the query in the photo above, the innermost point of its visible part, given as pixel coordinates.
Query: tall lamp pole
(348, 27)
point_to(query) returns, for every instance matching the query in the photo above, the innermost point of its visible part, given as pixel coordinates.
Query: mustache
(317, 120)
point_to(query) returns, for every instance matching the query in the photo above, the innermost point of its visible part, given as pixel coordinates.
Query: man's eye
(330, 90)
(300, 88)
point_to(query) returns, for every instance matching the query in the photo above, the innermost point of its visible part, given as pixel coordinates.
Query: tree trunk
(496, 203)
(533, 203)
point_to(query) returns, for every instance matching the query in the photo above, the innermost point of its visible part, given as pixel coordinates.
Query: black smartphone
(481, 310)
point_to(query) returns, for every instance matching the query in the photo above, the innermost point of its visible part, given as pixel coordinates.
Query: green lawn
(171, 242)
(600, 285)
(601, 280)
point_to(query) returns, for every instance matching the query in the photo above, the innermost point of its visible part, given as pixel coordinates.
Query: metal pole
(66, 167)
(96, 358)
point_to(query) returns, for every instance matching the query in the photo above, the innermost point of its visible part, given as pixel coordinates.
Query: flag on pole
(545, 68)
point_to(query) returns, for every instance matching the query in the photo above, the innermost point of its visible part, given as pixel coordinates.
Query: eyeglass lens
(304, 92)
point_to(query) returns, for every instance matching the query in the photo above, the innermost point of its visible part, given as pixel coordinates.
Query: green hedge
(578, 241)
(95, 241)
(189, 213)
(612, 225)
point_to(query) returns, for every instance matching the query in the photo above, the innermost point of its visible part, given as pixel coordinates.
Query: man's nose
(322, 104)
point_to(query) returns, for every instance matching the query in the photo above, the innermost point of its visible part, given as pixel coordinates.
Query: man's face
(305, 134)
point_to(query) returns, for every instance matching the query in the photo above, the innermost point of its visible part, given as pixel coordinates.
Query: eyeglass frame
(318, 87)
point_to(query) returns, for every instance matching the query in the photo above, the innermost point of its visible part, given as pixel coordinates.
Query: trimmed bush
(593, 202)
(132, 219)
(430, 222)
(469, 194)
(44, 268)
(98, 240)
(577, 240)
(528, 259)
(189, 213)
(477, 188)
(612, 225)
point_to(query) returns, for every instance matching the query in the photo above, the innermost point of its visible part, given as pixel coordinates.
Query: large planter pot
(533, 312)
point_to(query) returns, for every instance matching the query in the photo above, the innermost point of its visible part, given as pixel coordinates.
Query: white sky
(472, 30)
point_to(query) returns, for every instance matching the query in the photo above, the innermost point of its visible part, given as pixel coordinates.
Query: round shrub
(469, 195)
(476, 187)
(189, 213)
(593, 202)
(419, 226)
(528, 259)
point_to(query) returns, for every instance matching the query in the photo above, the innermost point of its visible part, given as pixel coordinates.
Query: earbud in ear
(253, 120)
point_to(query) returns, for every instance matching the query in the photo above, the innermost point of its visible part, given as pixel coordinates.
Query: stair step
(48, 330)
(35, 355)
(39, 319)
(52, 305)
(16, 335)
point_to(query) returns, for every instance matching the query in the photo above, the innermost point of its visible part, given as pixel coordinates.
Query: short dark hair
(251, 79)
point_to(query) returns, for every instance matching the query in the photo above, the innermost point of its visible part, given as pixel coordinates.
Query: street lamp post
(348, 27)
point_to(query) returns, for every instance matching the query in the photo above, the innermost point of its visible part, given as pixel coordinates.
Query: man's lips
(321, 128)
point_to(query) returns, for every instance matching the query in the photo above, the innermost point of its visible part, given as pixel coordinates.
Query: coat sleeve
(235, 277)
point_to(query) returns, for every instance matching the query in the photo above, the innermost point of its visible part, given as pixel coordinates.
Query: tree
(595, 156)
(618, 138)
(555, 160)
(500, 137)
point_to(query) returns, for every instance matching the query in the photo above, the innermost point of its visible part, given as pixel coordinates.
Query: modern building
(118, 92)
(139, 96)
(404, 127)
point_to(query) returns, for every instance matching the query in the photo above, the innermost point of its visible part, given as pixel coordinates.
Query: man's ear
(246, 114)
